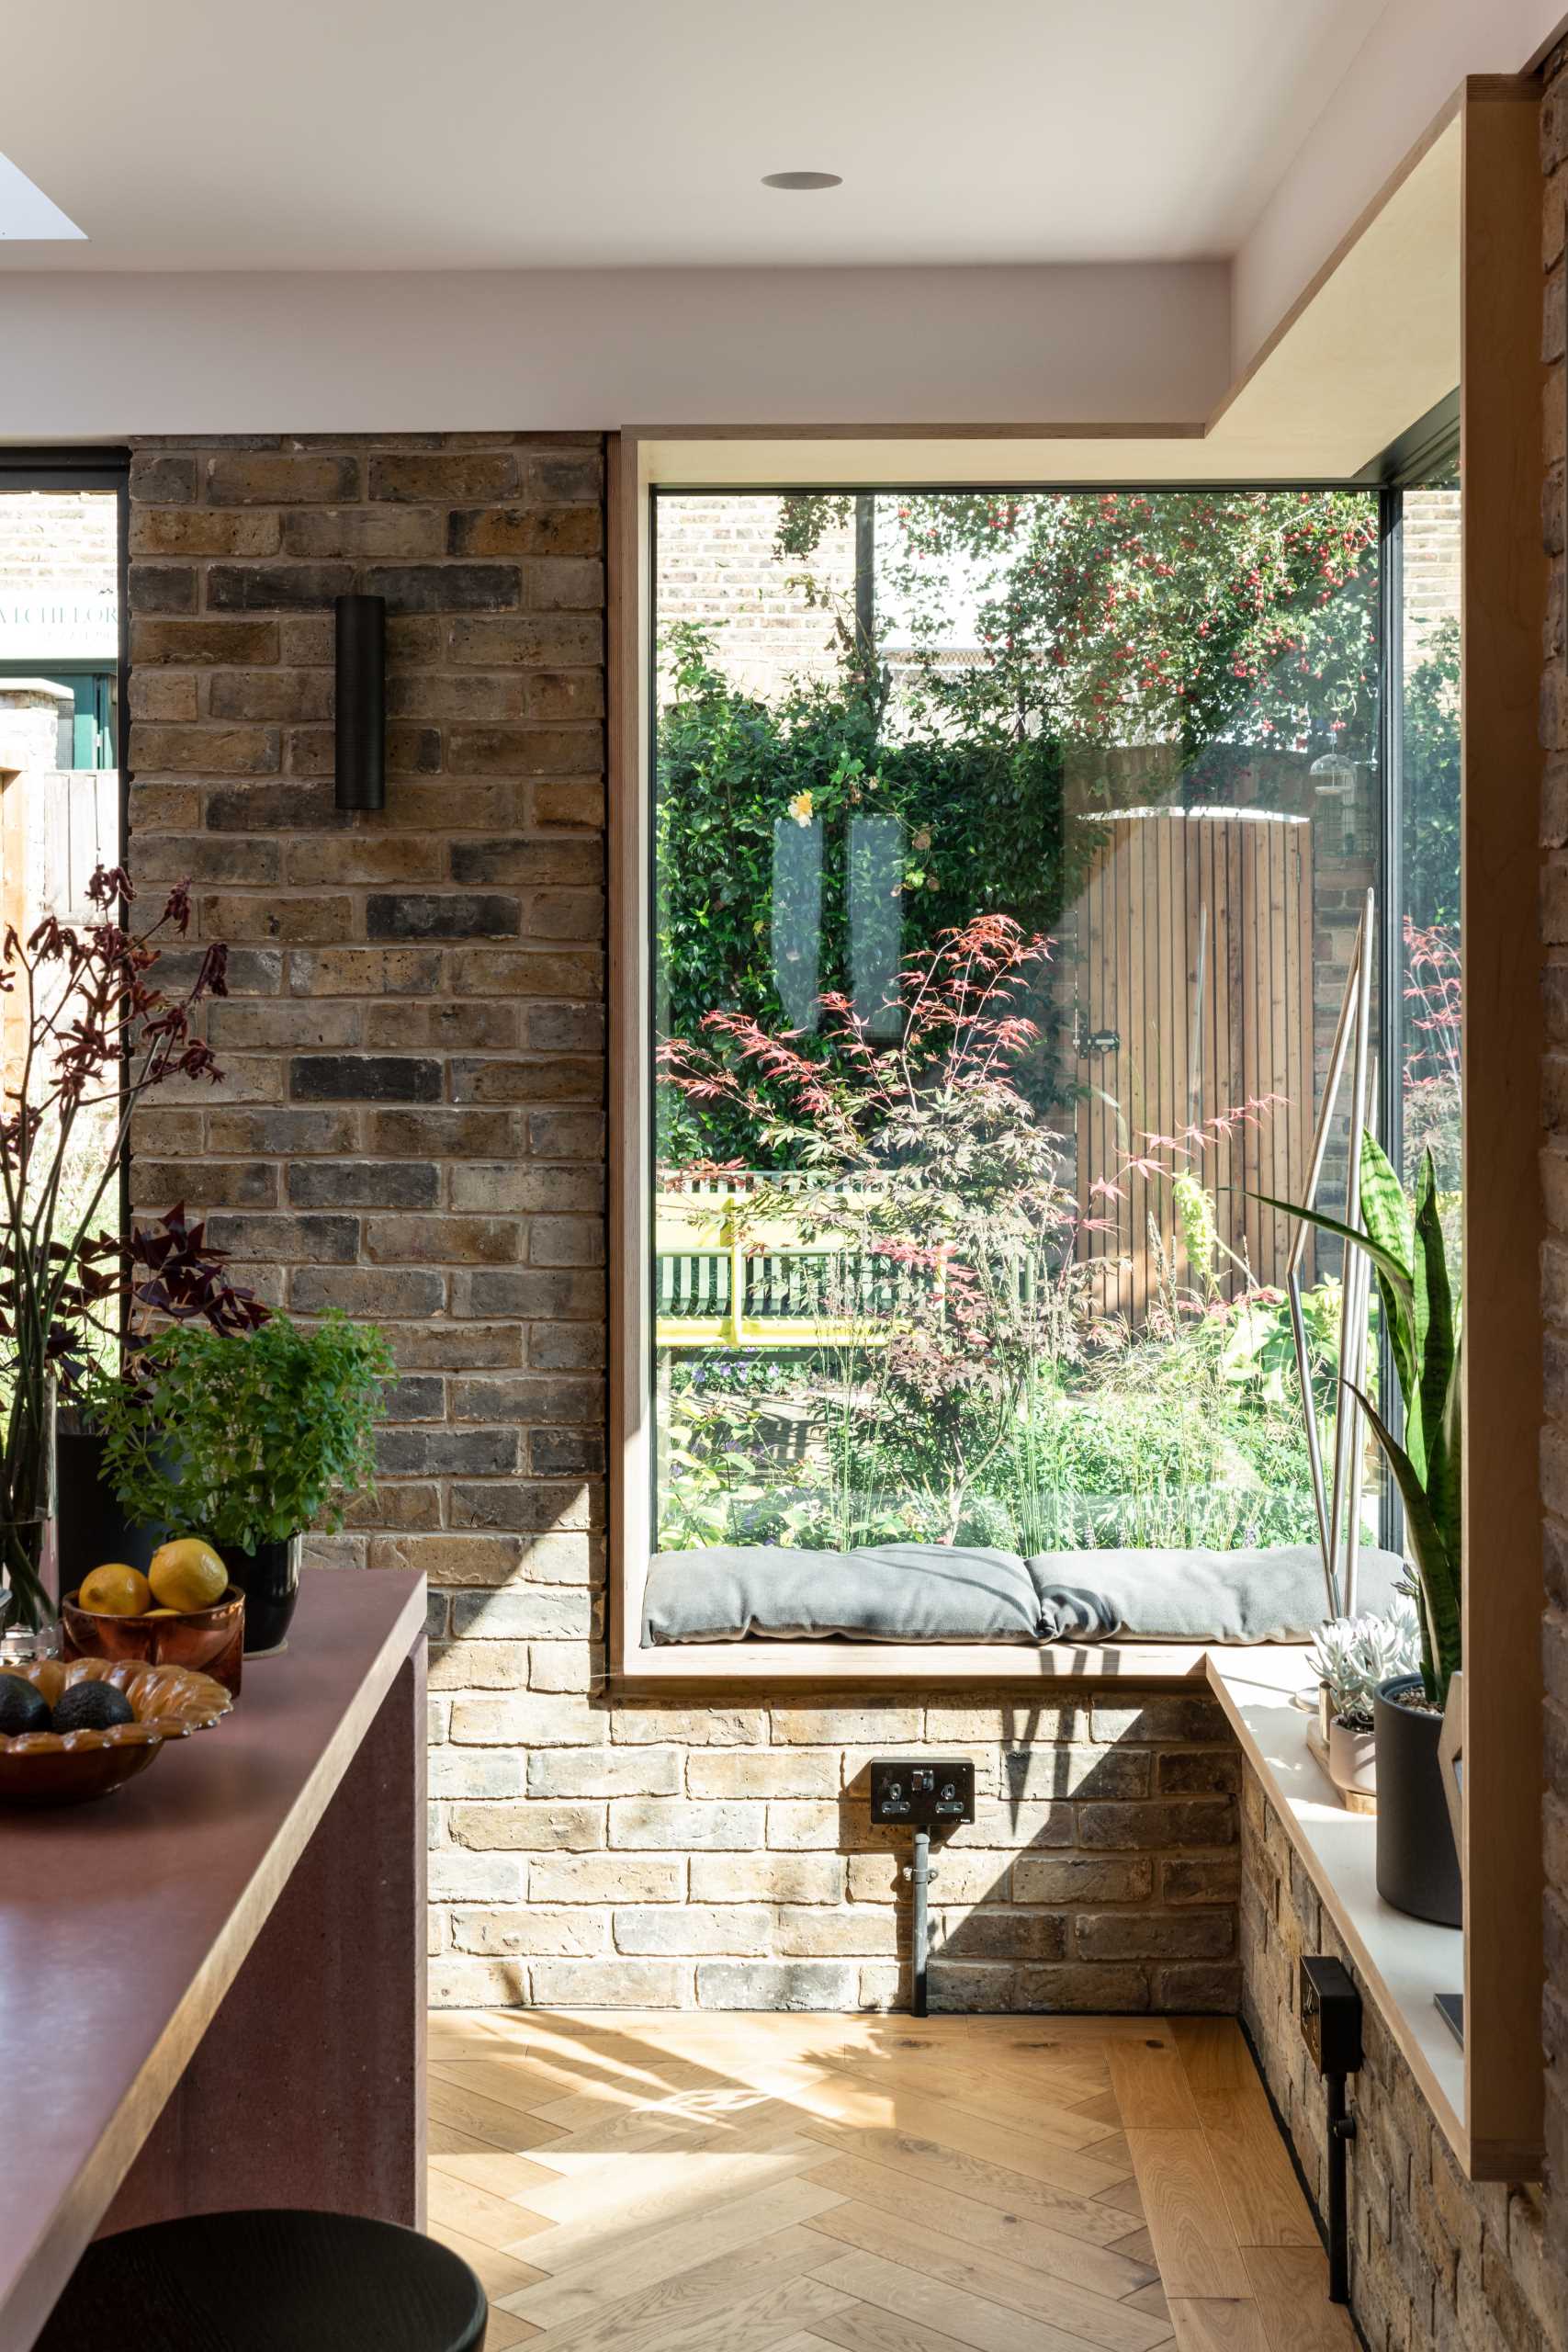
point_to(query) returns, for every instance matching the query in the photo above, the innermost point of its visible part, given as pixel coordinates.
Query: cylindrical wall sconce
(361, 706)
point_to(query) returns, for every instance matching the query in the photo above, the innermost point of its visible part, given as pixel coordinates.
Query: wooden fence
(1191, 967)
(1194, 968)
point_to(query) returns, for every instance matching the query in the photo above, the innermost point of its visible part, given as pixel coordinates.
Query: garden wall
(52, 539)
(411, 1128)
(717, 565)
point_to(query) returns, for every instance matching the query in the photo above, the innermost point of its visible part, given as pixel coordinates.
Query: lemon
(115, 1591)
(187, 1573)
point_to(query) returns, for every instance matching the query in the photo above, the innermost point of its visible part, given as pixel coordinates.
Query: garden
(895, 1180)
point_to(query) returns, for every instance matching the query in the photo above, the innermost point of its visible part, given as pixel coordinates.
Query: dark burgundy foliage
(89, 1029)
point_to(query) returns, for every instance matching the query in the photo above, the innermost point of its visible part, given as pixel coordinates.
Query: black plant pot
(269, 1579)
(93, 1528)
(1417, 1864)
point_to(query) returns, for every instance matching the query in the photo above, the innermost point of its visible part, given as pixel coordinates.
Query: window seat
(927, 1593)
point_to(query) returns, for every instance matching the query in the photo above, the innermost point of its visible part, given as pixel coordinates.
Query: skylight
(26, 211)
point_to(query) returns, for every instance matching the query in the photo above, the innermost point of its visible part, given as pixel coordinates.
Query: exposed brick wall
(411, 1128)
(723, 1855)
(57, 537)
(1434, 2260)
(717, 565)
(1554, 1169)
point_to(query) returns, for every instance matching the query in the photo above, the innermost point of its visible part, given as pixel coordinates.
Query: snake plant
(1404, 1238)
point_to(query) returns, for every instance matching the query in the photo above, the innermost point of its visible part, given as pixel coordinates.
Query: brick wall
(411, 1128)
(1434, 2261)
(57, 536)
(717, 565)
(1554, 1165)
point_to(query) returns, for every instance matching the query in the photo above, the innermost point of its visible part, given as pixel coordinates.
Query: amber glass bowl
(67, 1768)
(210, 1640)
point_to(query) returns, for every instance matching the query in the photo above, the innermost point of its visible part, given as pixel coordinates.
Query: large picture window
(1008, 852)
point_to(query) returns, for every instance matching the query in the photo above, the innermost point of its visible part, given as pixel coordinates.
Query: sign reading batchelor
(58, 620)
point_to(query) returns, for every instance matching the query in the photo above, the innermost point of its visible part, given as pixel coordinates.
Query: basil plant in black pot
(1418, 1864)
(248, 1442)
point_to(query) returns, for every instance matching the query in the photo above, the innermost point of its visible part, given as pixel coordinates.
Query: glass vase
(29, 1529)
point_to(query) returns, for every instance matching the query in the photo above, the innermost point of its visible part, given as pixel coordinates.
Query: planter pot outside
(269, 1579)
(1417, 1862)
(1352, 1760)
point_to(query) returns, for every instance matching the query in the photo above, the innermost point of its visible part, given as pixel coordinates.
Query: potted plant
(1354, 1657)
(1418, 1868)
(248, 1442)
(88, 1034)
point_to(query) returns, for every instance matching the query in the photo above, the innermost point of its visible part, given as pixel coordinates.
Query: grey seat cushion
(1275, 1595)
(889, 1592)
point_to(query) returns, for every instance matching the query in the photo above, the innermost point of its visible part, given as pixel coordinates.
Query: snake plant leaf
(1396, 1271)
(1436, 1566)
(1386, 1213)
(1434, 1315)
(1444, 1458)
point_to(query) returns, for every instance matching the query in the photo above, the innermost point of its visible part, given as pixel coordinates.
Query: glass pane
(1429, 858)
(1009, 856)
(59, 789)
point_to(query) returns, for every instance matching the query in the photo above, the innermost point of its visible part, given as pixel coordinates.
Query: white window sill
(1403, 1962)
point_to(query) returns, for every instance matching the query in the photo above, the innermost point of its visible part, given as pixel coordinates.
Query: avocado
(92, 1706)
(23, 1707)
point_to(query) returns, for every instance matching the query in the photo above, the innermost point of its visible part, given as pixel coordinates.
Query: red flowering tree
(1242, 619)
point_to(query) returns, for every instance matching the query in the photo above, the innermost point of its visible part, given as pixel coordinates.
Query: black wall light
(361, 706)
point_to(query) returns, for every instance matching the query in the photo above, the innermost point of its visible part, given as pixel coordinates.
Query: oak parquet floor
(628, 2182)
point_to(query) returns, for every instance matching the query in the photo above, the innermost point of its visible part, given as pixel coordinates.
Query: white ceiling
(392, 134)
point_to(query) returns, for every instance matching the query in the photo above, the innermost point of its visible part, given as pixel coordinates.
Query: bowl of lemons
(184, 1611)
(75, 1729)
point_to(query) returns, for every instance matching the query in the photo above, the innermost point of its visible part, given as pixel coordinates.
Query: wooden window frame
(760, 1663)
(641, 460)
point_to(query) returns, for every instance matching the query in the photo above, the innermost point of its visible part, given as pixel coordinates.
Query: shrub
(246, 1441)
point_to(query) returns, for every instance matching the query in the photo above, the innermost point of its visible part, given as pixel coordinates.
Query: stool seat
(274, 2282)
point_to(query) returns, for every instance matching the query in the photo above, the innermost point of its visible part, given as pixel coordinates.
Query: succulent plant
(1353, 1655)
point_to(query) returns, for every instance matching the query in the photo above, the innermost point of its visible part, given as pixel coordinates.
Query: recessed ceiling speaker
(360, 769)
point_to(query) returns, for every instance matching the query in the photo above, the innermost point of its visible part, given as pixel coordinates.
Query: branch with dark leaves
(90, 1030)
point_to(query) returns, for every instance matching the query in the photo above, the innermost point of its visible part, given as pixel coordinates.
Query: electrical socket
(923, 1792)
(1331, 2014)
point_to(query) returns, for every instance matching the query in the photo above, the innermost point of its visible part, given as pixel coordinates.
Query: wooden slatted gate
(1195, 964)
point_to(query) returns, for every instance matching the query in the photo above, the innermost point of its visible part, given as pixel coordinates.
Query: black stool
(269, 2282)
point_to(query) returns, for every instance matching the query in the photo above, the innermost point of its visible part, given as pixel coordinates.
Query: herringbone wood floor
(703, 2183)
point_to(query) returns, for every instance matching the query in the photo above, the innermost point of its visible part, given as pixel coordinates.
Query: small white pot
(1352, 1760)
